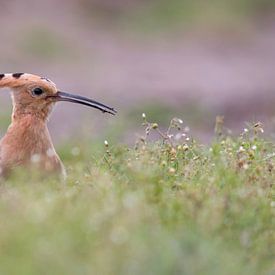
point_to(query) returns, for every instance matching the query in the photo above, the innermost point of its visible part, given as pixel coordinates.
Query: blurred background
(190, 59)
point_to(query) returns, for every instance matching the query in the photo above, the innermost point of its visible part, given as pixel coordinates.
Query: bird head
(36, 95)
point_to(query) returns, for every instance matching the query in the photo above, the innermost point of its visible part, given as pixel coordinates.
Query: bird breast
(28, 143)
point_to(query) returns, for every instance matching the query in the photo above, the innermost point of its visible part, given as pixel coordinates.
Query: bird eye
(37, 91)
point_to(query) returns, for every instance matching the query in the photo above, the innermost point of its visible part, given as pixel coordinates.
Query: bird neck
(29, 132)
(20, 112)
(28, 142)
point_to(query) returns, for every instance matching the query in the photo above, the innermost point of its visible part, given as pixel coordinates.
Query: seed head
(185, 147)
(172, 170)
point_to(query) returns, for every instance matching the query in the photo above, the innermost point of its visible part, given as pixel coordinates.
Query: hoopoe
(27, 141)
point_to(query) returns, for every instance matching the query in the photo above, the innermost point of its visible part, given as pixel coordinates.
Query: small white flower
(50, 152)
(106, 143)
(180, 121)
(35, 158)
(245, 130)
(143, 115)
(187, 139)
(254, 147)
(186, 129)
(75, 151)
(241, 149)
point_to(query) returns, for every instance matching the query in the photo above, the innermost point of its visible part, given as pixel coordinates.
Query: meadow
(167, 205)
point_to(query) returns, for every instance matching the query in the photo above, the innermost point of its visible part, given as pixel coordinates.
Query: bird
(27, 142)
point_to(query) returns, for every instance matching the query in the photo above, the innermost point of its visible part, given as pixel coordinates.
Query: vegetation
(167, 206)
(161, 15)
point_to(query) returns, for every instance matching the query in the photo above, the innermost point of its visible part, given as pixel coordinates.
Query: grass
(167, 206)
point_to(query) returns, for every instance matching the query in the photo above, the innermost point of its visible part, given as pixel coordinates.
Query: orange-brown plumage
(27, 141)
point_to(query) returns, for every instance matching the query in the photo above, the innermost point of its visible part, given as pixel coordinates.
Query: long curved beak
(62, 96)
